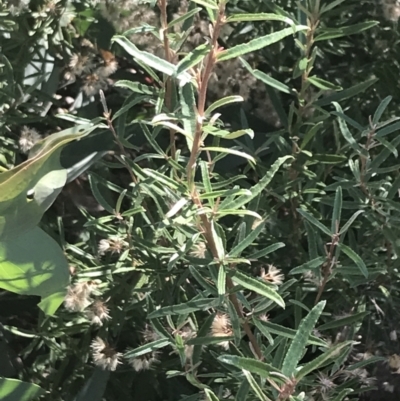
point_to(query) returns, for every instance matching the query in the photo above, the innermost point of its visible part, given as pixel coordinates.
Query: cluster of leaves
(224, 259)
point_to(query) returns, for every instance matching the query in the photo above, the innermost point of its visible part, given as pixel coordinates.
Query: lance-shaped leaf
(355, 258)
(256, 189)
(259, 43)
(242, 245)
(16, 390)
(297, 347)
(257, 286)
(321, 360)
(95, 387)
(193, 58)
(29, 189)
(34, 264)
(252, 365)
(146, 348)
(259, 17)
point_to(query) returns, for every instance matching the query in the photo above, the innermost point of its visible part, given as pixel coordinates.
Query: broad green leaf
(257, 286)
(256, 189)
(34, 264)
(269, 327)
(310, 265)
(381, 109)
(182, 309)
(146, 348)
(355, 258)
(229, 151)
(254, 385)
(258, 17)
(29, 189)
(94, 388)
(193, 58)
(297, 347)
(315, 222)
(321, 360)
(346, 93)
(252, 365)
(345, 321)
(247, 241)
(323, 84)
(223, 102)
(207, 3)
(259, 43)
(17, 390)
(333, 33)
(337, 210)
(345, 130)
(268, 80)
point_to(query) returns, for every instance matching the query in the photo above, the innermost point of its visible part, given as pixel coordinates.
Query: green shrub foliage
(199, 200)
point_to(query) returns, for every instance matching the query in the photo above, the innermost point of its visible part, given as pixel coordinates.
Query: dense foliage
(199, 200)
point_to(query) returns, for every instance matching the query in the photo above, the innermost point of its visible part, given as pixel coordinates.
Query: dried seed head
(104, 356)
(97, 313)
(391, 10)
(187, 333)
(273, 275)
(93, 83)
(81, 64)
(113, 245)
(28, 139)
(144, 362)
(221, 327)
(199, 250)
(325, 384)
(78, 296)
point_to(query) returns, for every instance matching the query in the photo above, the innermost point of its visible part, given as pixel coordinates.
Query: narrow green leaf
(146, 348)
(94, 388)
(351, 220)
(243, 391)
(17, 390)
(257, 286)
(209, 340)
(269, 327)
(221, 284)
(254, 385)
(210, 395)
(337, 210)
(315, 222)
(137, 87)
(239, 133)
(235, 322)
(297, 347)
(207, 3)
(266, 251)
(202, 281)
(388, 129)
(347, 93)
(181, 309)
(229, 151)
(259, 43)
(252, 365)
(345, 392)
(355, 258)
(329, 6)
(323, 84)
(193, 58)
(381, 109)
(333, 33)
(310, 265)
(188, 107)
(247, 241)
(256, 189)
(223, 102)
(345, 321)
(259, 17)
(321, 360)
(184, 17)
(268, 80)
(345, 130)
(147, 58)
(98, 196)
